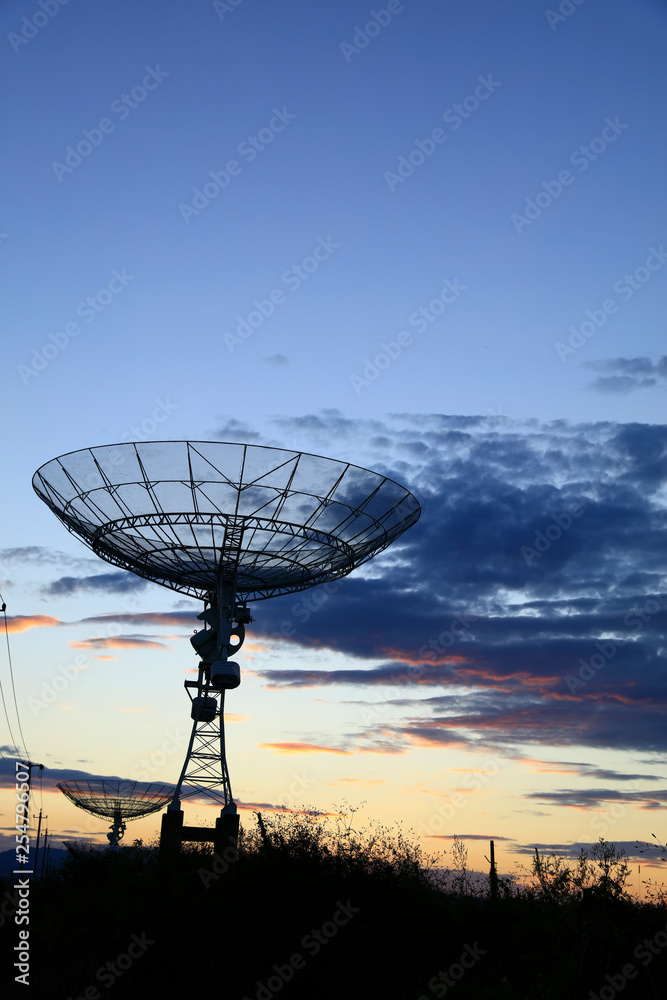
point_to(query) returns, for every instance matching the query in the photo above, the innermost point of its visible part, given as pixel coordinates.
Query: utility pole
(45, 850)
(28, 764)
(39, 827)
(493, 872)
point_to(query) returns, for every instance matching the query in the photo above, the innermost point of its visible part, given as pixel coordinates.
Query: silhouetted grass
(214, 928)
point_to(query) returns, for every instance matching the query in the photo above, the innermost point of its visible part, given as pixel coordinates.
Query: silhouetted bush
(389, 924)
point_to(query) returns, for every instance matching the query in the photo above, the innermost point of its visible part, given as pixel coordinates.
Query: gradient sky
(434, 248)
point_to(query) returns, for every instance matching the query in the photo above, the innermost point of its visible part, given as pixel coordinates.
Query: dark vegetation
(389, 923)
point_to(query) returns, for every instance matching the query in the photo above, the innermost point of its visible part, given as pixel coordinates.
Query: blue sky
(463, 218)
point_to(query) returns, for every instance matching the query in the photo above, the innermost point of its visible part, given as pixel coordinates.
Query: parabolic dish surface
(186, 514)
(106, 798)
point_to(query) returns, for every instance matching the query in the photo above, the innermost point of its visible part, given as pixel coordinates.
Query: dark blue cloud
(528, 604)
(119, 582)
(625, 375)
(547, 541)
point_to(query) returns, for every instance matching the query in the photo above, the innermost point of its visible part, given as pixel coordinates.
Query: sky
(421, 237)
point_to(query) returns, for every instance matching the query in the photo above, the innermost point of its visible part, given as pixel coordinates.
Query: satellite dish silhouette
(226, 523)
(116, 800)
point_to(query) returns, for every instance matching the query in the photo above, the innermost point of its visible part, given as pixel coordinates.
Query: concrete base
(173, 833)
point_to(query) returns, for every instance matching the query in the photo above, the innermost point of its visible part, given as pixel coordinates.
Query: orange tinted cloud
(438, 740)
(299, 748)
(401, 656)
(544, 767)
(366, 782)
(496, 677)
(236, 717)
(117, 642)
(421, 789)
(178, 618)
(20, 623)
(270, 807)
(105, 657)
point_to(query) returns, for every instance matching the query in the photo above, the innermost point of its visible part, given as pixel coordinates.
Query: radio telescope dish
(117, 800)
(183, 513)
(227, 523)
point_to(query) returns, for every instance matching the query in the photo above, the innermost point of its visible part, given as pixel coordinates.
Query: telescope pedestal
(174, 833)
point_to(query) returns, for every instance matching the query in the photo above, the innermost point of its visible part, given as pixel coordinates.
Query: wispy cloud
(595, 798)
(277, 360)
(41, 555)
(178, 619)
(468, 836)
(364, 782)
(21, 623)
(108, 583)
(571, 851)
(300, 748)
(585, 770)
(118, 642)
(625, 375)
(172, 619)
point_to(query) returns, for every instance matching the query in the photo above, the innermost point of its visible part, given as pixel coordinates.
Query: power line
(4, 705)
(11, 674)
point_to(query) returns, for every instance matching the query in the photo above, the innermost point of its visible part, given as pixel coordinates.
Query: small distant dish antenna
(118, 801)
(226, 523)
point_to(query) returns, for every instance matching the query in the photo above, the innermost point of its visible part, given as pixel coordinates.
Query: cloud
(277, 807)
(632, 850)
(236, 431)
(52, 775)
(41, 555)
(595, 798)
(538, 546)
(624, 375)
(21, 623)
(588, 770)
(366, 782)
(467, 836)
(539, 557)
(277, 360)
(120, 582)
(300, 748)
(118, 642)
(183, 619)
(179, 619)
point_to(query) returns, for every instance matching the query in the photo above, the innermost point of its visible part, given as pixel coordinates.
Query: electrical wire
(11, 674)
(9, 725)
